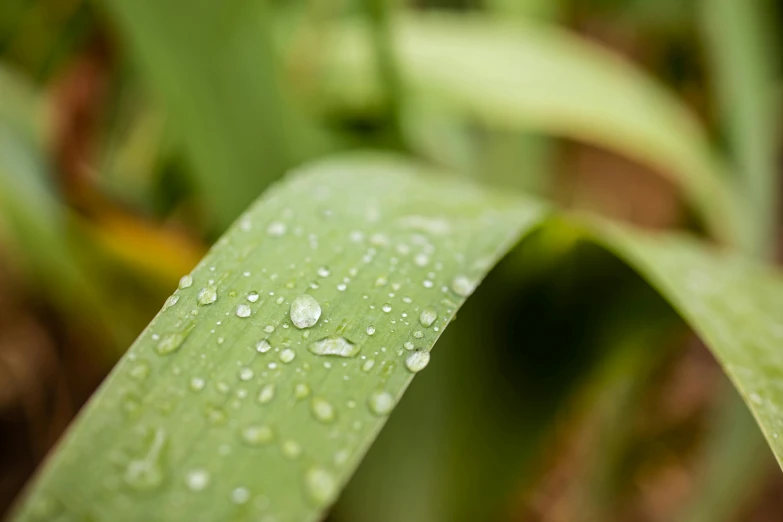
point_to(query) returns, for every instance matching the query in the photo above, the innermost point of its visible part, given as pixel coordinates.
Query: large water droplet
(197, 479)
(185, 281)
(463, 286)
(322, 410)
(263, 346)
(338, 346)
(252, 296)
(381, 402)
(287, 355)
(207, 296)
(170, 343)
(257, 435)
(171, 301)
(427, 317)
(320, 485)
(243, 310)
(417, 361)
(305, 311)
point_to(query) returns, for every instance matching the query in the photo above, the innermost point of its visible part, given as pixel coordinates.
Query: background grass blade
(742, 51)
(194, 406)
(547, 80)
(212, 66)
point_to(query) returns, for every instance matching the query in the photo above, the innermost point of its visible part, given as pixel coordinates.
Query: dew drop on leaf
(305, 311)
(257, 435)
(186, 281)
(263, 346)
(276, 229)
(381, 402)
(252, 296)
(320, 485)
(427, 317)
(417, 361)
(243, 310)
(322, 410)
(287, 355)
(462, 286)
(266, 394)
(207, 296)
(169, 343)
(197, 479)
(338, 346)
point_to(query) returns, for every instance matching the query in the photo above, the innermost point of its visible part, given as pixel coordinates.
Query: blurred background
(133, 132)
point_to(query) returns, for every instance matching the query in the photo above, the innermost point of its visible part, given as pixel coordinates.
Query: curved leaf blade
(548, 80)
(202, 419)
(194, 422)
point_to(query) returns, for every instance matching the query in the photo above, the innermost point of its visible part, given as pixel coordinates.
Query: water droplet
(341, 457)
(462, 286)
(197, 479)
(417, 361)
(301, 390)
(269, 328)
(185, 281)
(427, 317)
(408, 345)
(197, 383)
(756, 398)
(169, 343)
(146, 474)
(338, 346)
(287, 355)
(341, 287)
(418, 334)
(243, 310)
(171, 301)
(291, 449)
(143, 475)
(381, 402)
(321, 486)
(252, 297)
(370, 330)
(322, 410)
(140, 371)
(257, 435)
(266, 394)
(323, 272)
(421, 259)
(240, 495)
(386, 308)
(245, 374)
(263, 346)
(207, 296)
(276, 229)
(305, 311)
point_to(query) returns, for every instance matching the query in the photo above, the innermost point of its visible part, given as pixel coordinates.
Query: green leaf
(240, 401)
(742, 51)
(212, 65)
(545, 79)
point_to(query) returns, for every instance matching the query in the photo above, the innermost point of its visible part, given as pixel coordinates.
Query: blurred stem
(378, 12)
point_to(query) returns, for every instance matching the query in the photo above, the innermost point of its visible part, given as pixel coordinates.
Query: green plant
(247, 399)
